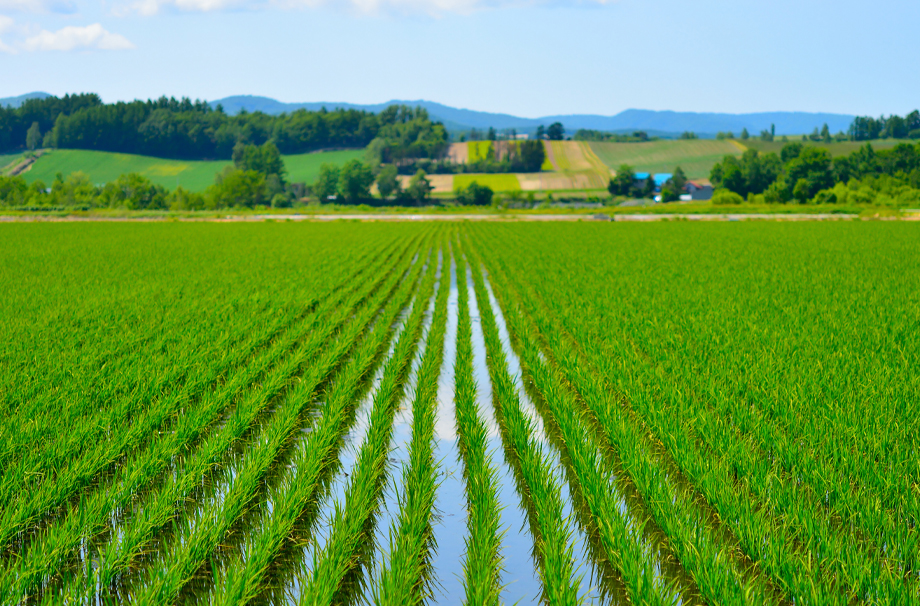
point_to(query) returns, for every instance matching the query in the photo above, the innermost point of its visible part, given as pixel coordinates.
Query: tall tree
(34, 136)
(355, 180)
(555, 132)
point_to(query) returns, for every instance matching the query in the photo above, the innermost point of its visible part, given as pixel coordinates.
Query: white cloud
(77, 38)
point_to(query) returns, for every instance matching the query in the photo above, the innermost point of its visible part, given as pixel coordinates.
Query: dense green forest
(805, 174)
(192, 130)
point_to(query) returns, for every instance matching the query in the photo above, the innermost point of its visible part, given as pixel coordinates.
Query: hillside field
(102, 167)
(841, 148)
(6, 160)
(459, 413)
(696, 157)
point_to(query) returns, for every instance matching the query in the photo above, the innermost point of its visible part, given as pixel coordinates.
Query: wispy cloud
(426, 7)
(70, 38)
(64, 7)
(6, 25)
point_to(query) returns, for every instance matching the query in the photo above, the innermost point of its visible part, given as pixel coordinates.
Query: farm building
(660, 179)
(699, 190)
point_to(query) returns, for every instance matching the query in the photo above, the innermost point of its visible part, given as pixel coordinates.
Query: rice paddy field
(102, 167)
(457, 413)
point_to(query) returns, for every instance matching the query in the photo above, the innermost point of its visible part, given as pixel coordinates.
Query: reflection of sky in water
(520, 577)
(587, 591)
(348, 456)
(388, 513)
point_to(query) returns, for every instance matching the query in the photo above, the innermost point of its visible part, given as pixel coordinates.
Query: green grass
(7, 160)
(304, 168)
(102, 167)
(841, 148)
(498, 182)
(695, 157)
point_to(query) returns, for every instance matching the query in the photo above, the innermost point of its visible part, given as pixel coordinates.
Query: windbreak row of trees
(810, 174)
(192, 130)
(865, 128)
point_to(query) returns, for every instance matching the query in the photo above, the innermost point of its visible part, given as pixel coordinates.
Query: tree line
(193, 130)
(805, 174)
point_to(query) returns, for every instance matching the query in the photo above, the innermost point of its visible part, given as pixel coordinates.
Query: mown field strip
(95, 513)
(312, 463)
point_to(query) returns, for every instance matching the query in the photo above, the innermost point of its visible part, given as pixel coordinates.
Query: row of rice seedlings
(336, 572)
(353, 439)
(622, 544)
(843, 566)
(243, 578)
(134, 538)
(74, 456)
(107, 371)
(774, 541)
(482, 566)
(521, 583)
(829, 497)
(537, 484)
(199, 536)
(57, 489)
(400, 439)
(32, 448)
(79, 472)
(700, 550)
(406, 577)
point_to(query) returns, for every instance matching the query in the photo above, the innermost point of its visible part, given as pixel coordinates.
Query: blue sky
(524, 57)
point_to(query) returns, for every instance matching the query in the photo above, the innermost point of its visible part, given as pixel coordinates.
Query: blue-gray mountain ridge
(654, 122)
(661, 123)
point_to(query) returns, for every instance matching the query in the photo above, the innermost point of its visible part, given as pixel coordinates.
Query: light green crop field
(304, 168)
(102, 167)
(479, 150)
(841, 148)
(696, 157)
(473, 413)
(497, 181)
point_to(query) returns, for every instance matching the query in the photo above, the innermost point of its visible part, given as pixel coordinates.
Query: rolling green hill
(841, 148)
(102, 167)
(696, 157)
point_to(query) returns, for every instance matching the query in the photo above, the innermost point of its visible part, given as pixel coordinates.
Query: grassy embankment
(102, 167)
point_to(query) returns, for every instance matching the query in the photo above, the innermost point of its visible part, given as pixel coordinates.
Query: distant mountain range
(656, 123)
(17, 101)
(653, 122)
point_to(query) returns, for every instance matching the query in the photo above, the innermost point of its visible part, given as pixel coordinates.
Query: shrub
(724, 196)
